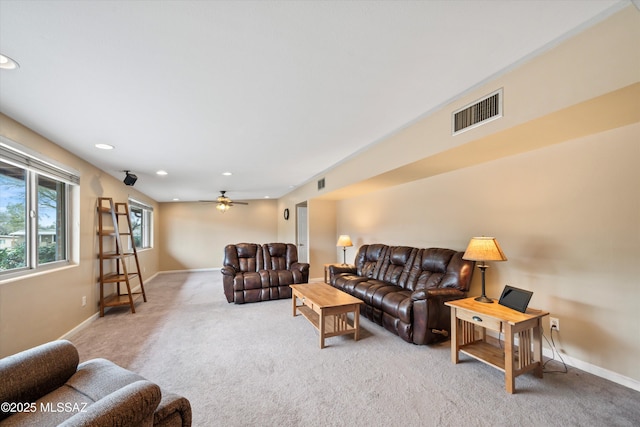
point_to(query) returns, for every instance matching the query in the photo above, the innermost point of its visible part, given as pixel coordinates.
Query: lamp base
(483, 298)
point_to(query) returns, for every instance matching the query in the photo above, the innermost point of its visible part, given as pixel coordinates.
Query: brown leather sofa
(46, 386)
(253, 272)
(404, 289)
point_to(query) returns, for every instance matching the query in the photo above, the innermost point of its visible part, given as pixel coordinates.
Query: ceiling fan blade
(239, 203)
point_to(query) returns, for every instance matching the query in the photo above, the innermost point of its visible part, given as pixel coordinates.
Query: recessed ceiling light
(227, 173)
(175, 199)
(161, 172)
(267, 197)
(7, 63)
(104, 146)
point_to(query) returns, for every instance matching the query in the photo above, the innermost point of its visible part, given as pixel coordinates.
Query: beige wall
(568, 220)
(555, 180)
(322, 231)
(193, 235)
(43, 307)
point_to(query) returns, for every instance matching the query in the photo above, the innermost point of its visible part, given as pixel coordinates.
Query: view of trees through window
(16, 227)
(141, 218)
(136, 225)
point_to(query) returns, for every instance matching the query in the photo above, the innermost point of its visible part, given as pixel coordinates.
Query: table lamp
(344, 240)
(483, 249)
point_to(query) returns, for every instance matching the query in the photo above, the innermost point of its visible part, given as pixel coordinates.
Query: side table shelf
(471, 319)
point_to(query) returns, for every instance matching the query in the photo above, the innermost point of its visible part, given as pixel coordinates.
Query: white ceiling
(275, 92)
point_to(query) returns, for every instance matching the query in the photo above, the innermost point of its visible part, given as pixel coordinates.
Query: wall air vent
(477, 113)
(320, 184)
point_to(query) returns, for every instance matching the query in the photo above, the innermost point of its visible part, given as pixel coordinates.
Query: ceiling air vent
(320, 184)
(477, 113)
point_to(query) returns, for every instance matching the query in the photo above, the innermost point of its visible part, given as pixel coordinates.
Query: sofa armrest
(300, 266)
(431, 318)
(174, 410)
(228, 271)
(444, 294)
(132, 405)
(33, 373)
(301, 272)
(342, 268)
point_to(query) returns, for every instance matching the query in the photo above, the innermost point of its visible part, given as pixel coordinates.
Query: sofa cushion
(396, 266)
(390, 299)
(243, 257)
(397, 304)
(369, 259)
(430, 267)
(97, 378)
(279, 256)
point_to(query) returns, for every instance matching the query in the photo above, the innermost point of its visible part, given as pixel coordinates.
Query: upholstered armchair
(52, 388)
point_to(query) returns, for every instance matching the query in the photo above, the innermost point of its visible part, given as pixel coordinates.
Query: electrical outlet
(84, 301)
(554, 323)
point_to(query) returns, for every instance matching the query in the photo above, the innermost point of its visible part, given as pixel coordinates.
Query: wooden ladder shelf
(112, 236)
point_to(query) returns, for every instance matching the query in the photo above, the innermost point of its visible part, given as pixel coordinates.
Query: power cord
(554, 351)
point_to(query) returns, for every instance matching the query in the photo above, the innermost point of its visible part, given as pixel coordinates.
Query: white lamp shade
(484, 249)
(344, 240)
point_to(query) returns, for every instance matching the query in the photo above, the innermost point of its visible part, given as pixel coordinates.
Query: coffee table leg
(293, 298)
(356, 322)
(321, 328)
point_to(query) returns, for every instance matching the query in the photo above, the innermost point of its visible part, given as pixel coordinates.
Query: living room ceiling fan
(223, 203)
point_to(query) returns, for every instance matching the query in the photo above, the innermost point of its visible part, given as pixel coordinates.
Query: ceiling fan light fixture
(222, 207)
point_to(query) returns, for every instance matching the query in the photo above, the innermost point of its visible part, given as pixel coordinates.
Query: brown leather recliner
(253, 272)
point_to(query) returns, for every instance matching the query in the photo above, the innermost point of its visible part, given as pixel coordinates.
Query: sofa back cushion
(369, 259)
(33, 373)
(244, 257)
(440, 268)
(397, 264)
(279, 256)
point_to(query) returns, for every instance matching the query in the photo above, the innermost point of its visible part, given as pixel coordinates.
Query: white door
(301, 232)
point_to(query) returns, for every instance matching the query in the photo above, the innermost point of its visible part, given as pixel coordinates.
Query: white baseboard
(585, 366)
(80, 327)
(195, 270)
(595, 370)
(96, 315)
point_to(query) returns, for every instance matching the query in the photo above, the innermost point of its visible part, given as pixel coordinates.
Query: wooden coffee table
(327, 309)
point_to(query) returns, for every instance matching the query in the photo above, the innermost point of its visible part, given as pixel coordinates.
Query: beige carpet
(256, 365)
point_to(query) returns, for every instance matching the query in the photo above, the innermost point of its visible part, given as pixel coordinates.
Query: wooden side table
(514, 360)
(328, 266)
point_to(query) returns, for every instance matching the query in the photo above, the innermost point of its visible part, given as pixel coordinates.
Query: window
(141, 217)
(34, 211)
